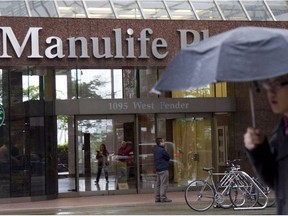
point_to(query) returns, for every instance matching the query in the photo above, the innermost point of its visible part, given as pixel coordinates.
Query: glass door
(188, 141)
(116, 169)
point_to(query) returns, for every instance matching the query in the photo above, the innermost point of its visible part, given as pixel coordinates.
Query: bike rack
(260, 190)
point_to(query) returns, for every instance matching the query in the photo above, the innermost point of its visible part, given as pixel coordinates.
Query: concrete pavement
(130, 204)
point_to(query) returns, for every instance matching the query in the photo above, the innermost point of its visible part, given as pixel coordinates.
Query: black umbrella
(241, 54)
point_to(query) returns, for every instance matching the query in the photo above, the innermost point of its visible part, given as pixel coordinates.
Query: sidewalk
(89, 201)
(130, 204)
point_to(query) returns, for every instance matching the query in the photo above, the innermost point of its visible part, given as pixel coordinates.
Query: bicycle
(200, 195)
(267, 191)
(243, 190)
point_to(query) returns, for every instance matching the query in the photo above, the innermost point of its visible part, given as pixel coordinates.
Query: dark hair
(158, 140)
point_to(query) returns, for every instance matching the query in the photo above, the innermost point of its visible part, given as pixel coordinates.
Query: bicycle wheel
(222, 197)
(199, 195)
(271, 197)
(237, 195)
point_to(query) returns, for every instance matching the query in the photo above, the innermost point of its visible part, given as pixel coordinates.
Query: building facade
(69, 85)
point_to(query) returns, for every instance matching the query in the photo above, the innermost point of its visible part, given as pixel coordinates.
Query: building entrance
(188, 141)
(116, 171)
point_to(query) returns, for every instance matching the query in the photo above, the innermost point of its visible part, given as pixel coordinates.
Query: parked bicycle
(200, 195)
(236, 188)
(268, 192)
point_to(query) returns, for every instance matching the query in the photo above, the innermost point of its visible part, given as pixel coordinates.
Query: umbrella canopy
(241, 54)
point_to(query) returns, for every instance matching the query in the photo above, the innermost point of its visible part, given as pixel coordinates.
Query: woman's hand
(253, 137)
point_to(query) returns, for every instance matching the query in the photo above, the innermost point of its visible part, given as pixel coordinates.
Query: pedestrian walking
(161, 163)
(270, 158)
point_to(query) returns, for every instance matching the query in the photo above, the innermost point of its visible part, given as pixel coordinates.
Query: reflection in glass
(257, 10)
(99, 9)
(279, 9)
(207, 10)
(71, 8)
(153, 9)
(146, 145)
(30, 87)
(13, 8)
(180, 10)
(127, 9)
(232, 10)
(212, 90)
(42, 8)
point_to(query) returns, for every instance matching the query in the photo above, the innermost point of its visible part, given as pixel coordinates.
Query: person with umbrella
(270, 158)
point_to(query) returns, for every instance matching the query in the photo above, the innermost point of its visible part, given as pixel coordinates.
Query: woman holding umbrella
(270, 158)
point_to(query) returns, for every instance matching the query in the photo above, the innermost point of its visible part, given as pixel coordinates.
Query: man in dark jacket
(270, 158)
(161, 163)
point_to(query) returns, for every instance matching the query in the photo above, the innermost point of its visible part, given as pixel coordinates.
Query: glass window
(279, 9)
(213, 90)
(99, 9)
(180, 10)
(232, 10)
(13, 8)
(1, 86)
(206, 10)
(127, 9)
(129, 83)
(146, 146)
(42, 8)
(30, 87)
(147, 79)
(71, 8)
(154, 9)
(257, 10)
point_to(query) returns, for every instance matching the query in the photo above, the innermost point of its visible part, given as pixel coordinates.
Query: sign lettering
(113, 47)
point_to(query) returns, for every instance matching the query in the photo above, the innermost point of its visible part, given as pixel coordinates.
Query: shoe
(165, 200)
(157, 201)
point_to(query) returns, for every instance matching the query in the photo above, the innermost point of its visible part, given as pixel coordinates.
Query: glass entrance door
(188, 141)
(98, 171)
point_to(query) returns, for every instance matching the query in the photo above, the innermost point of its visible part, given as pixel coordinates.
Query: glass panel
(117, 84)
(127, 9)
(99, 9)
(188, 142)
(66, 154)
(148, 78)
(206, 91)
(206, 10)
(222, 120)
(119, 171)
(129, 83)
(92, 83)
(279, 9)
(257, 10)
(13, 8)
(1, 86)
(220, 89)
(146, 145)
(232, 10)
(71, 8)
(30, 87)
(154, 9)
(193, 148)
(180, 10)
(42, 8)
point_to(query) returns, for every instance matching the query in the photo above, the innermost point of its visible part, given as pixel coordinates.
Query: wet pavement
(130, 204)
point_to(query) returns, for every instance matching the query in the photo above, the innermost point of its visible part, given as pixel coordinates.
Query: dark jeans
(100, 171)
(161, 186)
